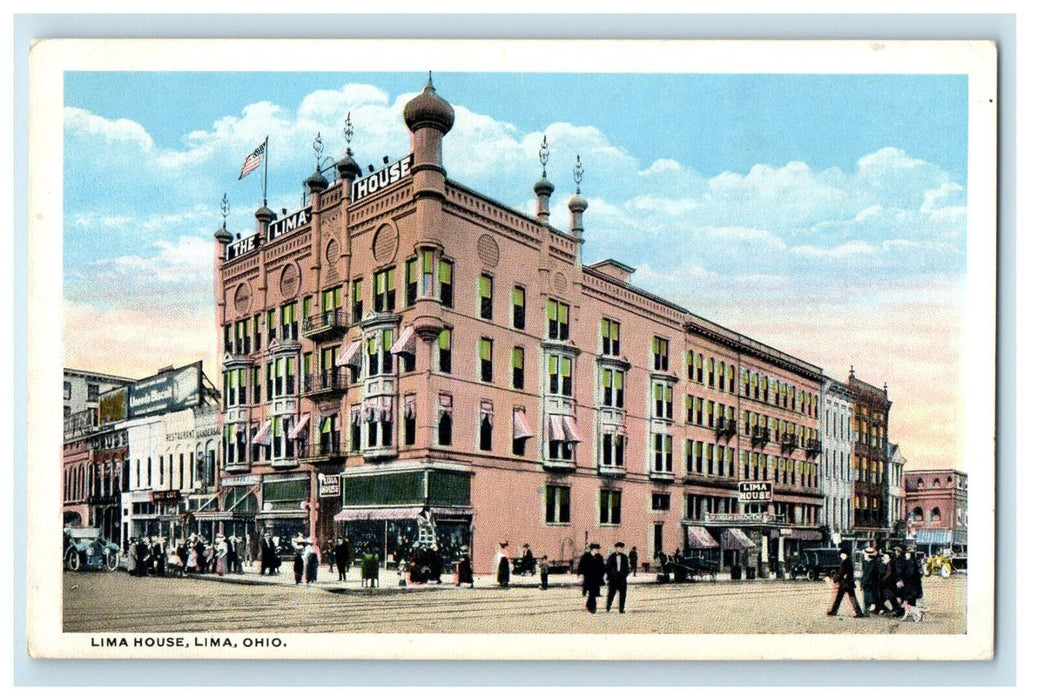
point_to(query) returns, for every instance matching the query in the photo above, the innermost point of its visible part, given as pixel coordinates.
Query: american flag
(253, 160)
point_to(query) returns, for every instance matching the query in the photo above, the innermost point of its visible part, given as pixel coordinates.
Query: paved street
(117, 602)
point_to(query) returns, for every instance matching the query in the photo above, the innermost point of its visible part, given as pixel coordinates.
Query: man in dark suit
(584, 567)
(267, 554)
(844, 579)
(617, 568)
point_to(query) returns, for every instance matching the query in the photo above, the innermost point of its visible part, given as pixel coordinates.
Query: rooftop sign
(390, 174)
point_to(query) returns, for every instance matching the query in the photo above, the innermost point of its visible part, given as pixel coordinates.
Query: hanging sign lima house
(390, 174)
(749, 491)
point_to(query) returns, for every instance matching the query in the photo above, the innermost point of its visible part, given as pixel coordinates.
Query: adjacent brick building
(936, 503)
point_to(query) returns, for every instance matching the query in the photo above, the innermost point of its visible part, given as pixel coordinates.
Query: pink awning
(385, 413)
(263, 436)
(520, 425)
(405, 343)
(699, 538)
(446, 405)
(572, 434)
(734, 538)
(351, 356)
(555, 432)
(408, 406)
(297, 430)
(349, 514)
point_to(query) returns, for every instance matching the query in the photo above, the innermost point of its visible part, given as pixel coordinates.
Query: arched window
(936, 483)
(921, 484)
(934, 515)
(916, 515)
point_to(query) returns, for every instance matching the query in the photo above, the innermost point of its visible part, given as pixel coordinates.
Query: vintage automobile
(814, 564)
(86, 549)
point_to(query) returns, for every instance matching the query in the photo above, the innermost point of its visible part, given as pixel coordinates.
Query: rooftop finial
(318, 148)
(544, 153)
(347, 131)
(429, 85)
(851, 371)
(224, 209)
(578, 173)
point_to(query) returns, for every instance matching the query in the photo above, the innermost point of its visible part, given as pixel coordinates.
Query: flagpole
(266, 157)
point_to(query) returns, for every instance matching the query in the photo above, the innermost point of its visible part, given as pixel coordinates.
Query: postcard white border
(976, 59)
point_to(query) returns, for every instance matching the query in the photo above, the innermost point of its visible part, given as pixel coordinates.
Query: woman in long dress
(310, 557)
(503, 566)
(464, 570)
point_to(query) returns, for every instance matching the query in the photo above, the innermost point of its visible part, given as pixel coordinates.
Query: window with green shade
(486, 359)
(485, 297)
(518, 308)
(518, 368)
(557, 320)
(446, 283)
(445, 339)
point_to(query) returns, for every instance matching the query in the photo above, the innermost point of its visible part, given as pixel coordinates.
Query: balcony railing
(726, 428)
(328, 449)
(761, 436)
(330, 381)
(813, 448)
(788, 443)
(326, 324)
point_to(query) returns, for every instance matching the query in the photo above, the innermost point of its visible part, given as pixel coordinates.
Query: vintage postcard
(512, 349)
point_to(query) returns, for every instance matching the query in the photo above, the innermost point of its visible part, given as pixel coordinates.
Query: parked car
(814, 563)
(86, 549)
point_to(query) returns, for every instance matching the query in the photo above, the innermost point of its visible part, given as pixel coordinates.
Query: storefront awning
(699, 538)
(405, 343)
(297, 430)
(351, 357)
(961, 537)
(805, 535)
(351, 514)
(933, 537)
(520, 425)
(734, 538)
(216, 515)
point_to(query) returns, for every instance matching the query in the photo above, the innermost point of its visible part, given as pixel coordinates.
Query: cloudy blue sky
(821, 214)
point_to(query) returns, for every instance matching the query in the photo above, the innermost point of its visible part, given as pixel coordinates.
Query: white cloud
(662, 166)
(852, 248)
(80, 121)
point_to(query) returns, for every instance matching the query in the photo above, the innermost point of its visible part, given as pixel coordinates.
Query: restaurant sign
(754, 491)
(165, 497)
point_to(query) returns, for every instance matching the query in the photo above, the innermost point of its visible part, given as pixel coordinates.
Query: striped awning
(405, 343)
(734, 538)
(572, 434)
(297, 430)
(263, 436)
(699, 538)
(933, 537)
(555, 432)
(520, 425)
(351, 356)
(351, 514)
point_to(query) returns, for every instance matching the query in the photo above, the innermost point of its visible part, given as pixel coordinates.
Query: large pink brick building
(406, 359)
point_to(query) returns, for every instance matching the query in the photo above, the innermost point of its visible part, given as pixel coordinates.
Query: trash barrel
(736, 572)
(750, 573)
(369, 570)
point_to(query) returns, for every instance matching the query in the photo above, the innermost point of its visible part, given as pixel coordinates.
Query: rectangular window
(228, 345)
(412, 282)
(386, 354)
(661, 354)
(559, 375)
(663, 394)
(556, 504)
(358, 300)
(518, 308)
(485, 297)
(446, 283)
(612, 387)
(289, 324)
(444, 350)
(557, 320)
(385, 290)
(68, 391)
(613, 448)
(609, 507)
(660, 501)
(354, 428)
(486, 426)
(257, 335)
(486, 359)
(609, 337)
(330, 300)
(410, 419)
(518, 368)
(662, 453)
(445, 428)
(271, 325)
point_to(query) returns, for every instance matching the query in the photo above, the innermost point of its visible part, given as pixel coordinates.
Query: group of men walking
(596, 571)
(891, 583)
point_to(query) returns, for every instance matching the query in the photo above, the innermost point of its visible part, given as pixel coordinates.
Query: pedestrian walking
(583, 567)
(617, 569)
(267, 555)
(310, 557)
(342, 557)
(131, 557)
(543, 572)
(299, 566)
(233, 561)
(909, 585)
(633, 561)
(463, 572)
(888, 586)
(594, 577)
(845, 585)
(502, 565)
(528, 560)
(871, 577)
(158, 556)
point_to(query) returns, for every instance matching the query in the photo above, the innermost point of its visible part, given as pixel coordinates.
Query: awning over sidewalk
(805, 535)
(734, 538)
(933, 537)
(349, 514)
(699, 538)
